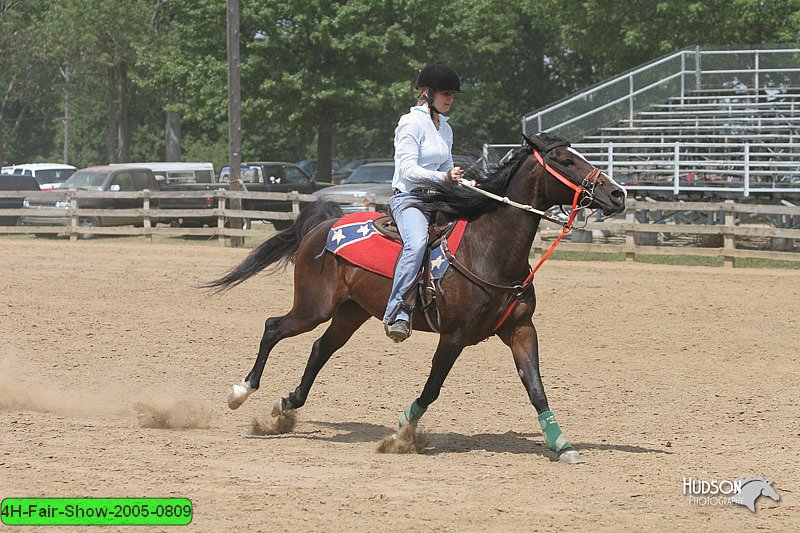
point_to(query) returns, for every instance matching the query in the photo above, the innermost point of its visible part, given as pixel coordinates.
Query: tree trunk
(111, 126)
(2, 116)
(124, 124)
(324, 145)
(172, 139)
(65, 73)
(118, 141)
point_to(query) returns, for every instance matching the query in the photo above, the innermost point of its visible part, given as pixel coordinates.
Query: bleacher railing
(727, 170)
(758, 71)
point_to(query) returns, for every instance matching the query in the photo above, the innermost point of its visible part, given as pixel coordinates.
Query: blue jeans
(413, 226)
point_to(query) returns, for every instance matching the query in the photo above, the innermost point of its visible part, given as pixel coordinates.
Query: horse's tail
(279, 249)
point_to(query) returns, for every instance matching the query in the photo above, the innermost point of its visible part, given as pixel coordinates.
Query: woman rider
(423, 141)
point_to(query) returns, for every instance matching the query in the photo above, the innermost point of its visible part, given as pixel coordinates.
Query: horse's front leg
(524, 345)
(447, 352)
(406, 439)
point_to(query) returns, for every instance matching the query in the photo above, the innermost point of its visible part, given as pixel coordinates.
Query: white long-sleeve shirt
(421, 152)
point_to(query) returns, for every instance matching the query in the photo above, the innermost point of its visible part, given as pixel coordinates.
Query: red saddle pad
(355, 239)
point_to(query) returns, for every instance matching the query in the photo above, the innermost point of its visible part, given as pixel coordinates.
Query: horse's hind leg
(348, 318)
(275, 330)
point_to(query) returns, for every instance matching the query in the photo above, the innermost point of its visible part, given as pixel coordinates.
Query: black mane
(450, 197)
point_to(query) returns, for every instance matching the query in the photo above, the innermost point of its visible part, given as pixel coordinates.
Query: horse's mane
(450, 197)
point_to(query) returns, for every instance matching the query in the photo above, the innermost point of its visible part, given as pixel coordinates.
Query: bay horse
(491, 280)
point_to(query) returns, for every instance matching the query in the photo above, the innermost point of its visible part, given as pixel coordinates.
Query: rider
(423, 142)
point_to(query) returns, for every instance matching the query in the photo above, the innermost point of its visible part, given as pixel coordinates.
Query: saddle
(426, 286)
(441, 226)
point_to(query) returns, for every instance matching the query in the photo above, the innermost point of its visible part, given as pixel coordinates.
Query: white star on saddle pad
(338, 235)
(363, 230)
(436, 263)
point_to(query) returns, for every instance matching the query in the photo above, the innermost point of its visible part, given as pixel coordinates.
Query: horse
(492, 282)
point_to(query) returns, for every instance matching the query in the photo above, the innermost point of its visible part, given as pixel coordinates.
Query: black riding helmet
(438, 77)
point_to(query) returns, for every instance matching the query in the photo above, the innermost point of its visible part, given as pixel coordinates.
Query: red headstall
(591, 176)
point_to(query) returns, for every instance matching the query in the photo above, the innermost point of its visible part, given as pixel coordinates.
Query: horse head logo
(752, 488)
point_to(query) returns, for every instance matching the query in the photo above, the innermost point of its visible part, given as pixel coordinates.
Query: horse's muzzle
(615, 204)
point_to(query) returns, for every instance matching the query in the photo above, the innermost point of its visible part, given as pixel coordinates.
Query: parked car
(344, 172)
(14, 183)
(183, 176)
(177, 172)
(370, 178)
(99, 178)
(309, 166)
(273, 176)
(374, 179)
(49, 176)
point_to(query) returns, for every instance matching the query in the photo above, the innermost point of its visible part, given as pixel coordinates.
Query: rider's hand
(455, 173)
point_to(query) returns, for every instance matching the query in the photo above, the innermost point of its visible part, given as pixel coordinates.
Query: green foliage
(204, 149)
(313, 70)
(617, 35)
(27, 124)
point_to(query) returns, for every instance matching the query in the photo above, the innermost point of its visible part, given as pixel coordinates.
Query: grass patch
(265, 231)
(683, 260)
(587, 256)
(749, 262)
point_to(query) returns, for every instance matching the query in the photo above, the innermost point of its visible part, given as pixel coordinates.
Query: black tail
(280, 249)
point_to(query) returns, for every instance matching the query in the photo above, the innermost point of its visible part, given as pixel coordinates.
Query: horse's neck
(505, 236)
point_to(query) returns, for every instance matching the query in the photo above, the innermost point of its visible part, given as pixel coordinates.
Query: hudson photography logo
(724, 492)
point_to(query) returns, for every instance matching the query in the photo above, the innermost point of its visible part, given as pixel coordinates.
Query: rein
(579, 185)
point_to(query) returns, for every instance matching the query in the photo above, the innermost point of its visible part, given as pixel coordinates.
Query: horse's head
(566, 171)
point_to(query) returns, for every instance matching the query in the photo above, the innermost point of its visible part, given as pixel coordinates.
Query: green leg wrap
(412, 414)
(555, 438)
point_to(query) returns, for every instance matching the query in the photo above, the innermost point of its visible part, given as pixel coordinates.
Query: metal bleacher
(696, 124)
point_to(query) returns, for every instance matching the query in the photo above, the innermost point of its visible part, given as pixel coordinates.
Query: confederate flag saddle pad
(356, 239)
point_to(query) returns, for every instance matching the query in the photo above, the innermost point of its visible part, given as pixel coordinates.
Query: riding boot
(399, 329)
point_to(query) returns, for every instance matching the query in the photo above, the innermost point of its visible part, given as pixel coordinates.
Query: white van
(48, 175)
(178, 172)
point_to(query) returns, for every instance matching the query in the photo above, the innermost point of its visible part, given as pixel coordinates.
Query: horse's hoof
(239, 394)
(278, 407)
(571, 457)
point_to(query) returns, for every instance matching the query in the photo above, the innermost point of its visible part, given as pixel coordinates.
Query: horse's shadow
(508, 442)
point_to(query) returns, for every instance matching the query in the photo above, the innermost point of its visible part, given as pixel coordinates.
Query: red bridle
(579, 189)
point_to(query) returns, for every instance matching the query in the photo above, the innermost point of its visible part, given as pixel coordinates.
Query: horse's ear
(534, 141)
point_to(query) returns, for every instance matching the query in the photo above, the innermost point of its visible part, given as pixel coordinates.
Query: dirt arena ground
(656, 373)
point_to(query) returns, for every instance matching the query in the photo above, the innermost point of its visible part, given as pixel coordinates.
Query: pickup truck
(258, 176)
(198, 202)
(99, 178)
(23, 185)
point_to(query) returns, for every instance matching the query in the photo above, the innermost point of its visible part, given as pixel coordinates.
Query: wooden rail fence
(729, 213)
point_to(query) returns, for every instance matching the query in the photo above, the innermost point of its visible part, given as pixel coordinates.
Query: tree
(617, 35)
(26, 100)
(510, 61)
(312, 64)
(184, 65)
(103, 49)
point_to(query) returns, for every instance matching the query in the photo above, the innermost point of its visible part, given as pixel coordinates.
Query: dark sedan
(370, 179)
